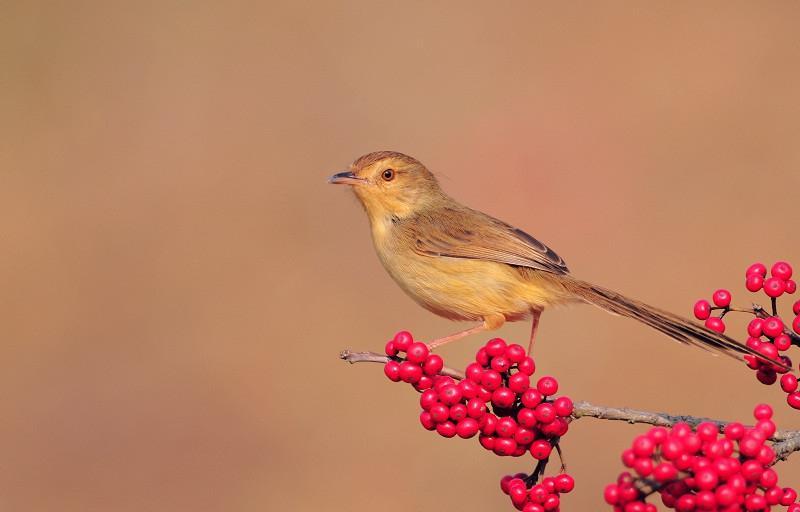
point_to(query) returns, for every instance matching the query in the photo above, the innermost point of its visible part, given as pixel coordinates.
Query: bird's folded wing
(465, 233)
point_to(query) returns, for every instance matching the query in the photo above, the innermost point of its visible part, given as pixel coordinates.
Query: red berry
(519, 383)
(545, 413)
(791, 286)
(433, 364)
(495, 347)
(706, 479)
(518, 494)
(643, 446)
(769, 479)
(427, 421)
(531, 398)
(762, 412)
(774, 287)
(789, 383)
(793, 399)
(715, 324)
(664, 472)
(439, 412)
(500, 364)
(564, 483)
(766, 376)
(766, 427)
(491, 380)
(504, 483)
(563, 406)
(772, 326)
(450, 394)
(458, 412)
(481, 357)
(506, 427)
(476, 408)
(796, 307)
(658, 434)
(686, 503)
(402, 340)
(527, 366)
(488, 424)
(796, 324)
(782, 342)
(390, 349)
(755, 502)
(540, 449)
(781, 270)
(758, 269)
(428, 399)
(551, 502)
(473, 372)
(392, 370)
(417, 352)
(423, 383)
(755, 327)
(467, 428)
(706, 500)
(547, 386)
(766, 456)
(526, 417)
(504, 446)
(707, 431)
(468, 389)
(611, 494)
(446, 429)
(789, 496)
(754, 282)
(749, 446)
(515, 353)
(722, 298)
(503, 397)
(702, 309)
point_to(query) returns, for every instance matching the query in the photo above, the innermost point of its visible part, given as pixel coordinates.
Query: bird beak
(346, 178)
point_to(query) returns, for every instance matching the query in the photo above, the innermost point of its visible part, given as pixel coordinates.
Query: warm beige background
(177, 278)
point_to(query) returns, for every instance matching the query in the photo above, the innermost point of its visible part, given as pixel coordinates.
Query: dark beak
(345, 178)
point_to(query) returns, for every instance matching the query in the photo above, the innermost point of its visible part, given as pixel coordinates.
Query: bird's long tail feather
(674, 326)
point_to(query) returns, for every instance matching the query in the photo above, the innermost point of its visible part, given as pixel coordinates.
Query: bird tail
(674, 326)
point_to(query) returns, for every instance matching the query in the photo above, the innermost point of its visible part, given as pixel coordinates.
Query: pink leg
(534, 327)
(490, 323)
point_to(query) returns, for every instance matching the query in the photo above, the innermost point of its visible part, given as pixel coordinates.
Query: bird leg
(535, 314)
(490, 323)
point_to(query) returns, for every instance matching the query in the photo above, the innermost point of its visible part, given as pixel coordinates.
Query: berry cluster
(767, 333)
(704, 469)
(539, 498)
(495, 400)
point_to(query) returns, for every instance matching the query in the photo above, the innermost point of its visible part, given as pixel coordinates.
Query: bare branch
(786, 441)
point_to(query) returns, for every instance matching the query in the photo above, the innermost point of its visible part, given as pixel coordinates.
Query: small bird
(462, 264)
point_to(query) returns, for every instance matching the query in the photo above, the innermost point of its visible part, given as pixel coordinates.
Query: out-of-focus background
(177, 278)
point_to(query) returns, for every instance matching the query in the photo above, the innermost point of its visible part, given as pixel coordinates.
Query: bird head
(390, 184)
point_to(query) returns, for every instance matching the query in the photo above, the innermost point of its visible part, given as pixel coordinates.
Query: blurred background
(178, 278)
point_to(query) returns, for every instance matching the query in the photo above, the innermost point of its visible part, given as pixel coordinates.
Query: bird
(463, 264)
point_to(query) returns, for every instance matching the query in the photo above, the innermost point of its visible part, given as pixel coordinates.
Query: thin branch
(372, 357)
(786, 441)
(660, 419)
(786, 448)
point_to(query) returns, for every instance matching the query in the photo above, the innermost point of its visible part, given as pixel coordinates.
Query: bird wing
(466, 233)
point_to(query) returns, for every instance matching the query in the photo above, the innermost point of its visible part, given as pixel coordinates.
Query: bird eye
(388, 175)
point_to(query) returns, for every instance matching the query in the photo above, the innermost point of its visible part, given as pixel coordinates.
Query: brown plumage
(465, 265)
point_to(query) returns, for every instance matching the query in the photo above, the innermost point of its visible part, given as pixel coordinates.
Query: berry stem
(557, 446)
(537, 472)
